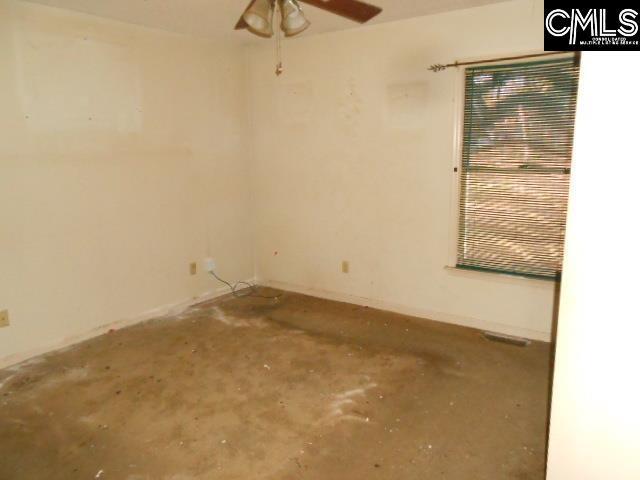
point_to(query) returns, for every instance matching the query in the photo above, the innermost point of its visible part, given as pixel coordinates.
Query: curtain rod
(438, 67)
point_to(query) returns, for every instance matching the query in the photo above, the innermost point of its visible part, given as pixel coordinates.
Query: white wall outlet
(209, 265)
(4, 318)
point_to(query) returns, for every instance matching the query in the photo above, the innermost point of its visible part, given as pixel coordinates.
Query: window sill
(509, 277)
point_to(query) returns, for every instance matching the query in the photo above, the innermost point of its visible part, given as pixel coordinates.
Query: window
(516, 162)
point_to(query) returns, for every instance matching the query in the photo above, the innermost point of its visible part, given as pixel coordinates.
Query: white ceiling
(216, 18)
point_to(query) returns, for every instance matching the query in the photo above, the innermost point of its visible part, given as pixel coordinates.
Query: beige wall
(126, 155)
(353, 155)
(595, 418)
(122, 159)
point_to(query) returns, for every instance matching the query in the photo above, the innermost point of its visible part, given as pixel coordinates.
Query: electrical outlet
(4, 318)
(345, 266)
(209, 264)
(193, 268)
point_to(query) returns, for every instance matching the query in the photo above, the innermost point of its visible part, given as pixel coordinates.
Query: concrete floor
(300, 389)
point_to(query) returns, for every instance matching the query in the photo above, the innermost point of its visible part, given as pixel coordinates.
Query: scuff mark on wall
(296, 102)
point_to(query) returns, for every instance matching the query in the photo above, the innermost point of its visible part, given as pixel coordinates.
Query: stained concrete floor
(299, 389)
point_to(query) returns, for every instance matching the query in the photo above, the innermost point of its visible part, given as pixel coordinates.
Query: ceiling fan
(258, 17)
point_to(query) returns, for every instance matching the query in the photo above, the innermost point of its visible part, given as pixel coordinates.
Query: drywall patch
(407, 104)
(351, 106)
(104, 76)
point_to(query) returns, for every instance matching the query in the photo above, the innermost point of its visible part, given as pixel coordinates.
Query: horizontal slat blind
(516, 160)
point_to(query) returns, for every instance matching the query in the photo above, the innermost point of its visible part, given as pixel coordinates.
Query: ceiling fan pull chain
(279, 67)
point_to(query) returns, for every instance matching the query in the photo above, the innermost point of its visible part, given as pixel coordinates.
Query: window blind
(516, 161)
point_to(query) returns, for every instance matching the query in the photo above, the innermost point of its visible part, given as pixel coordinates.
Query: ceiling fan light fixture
(259, 18)
(293, 19)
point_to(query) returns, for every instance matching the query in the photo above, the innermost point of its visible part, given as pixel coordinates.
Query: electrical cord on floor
(252, 290)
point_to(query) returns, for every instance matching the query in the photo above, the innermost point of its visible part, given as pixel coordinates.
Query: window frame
(456, 169)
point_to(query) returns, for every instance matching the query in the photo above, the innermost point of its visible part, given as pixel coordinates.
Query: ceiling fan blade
(241, 23)
(352, 9)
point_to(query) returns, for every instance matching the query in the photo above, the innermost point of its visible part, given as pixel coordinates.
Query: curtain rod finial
(437, 67)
